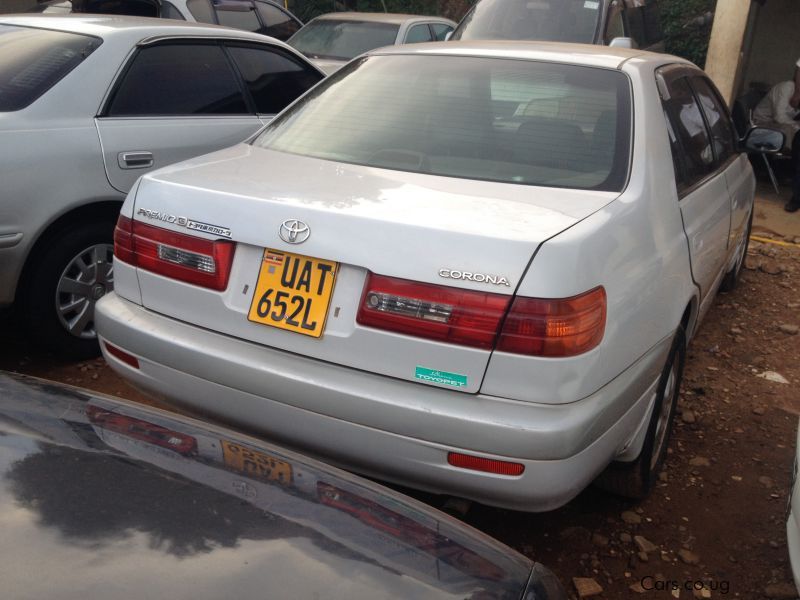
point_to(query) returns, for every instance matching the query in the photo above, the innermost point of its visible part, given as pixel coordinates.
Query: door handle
(135, 160)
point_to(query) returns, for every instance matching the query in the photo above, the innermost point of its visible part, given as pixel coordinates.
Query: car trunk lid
(435, 230)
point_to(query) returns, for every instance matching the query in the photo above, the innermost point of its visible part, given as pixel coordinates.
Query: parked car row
(259, 16)
(87, 106)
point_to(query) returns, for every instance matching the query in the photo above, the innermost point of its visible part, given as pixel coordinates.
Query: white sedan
(87, 105)
(471, 268)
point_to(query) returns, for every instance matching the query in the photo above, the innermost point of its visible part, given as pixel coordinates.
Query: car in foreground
(623, 23)
(88, 104)
(487, 287)
(259, 16)
(121, 501)
(331, 40)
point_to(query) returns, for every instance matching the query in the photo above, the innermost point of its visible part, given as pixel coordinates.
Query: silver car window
(342, 40)
(34, 60)
(511, 121)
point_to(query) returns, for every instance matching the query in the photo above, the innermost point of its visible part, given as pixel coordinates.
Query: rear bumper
(380, 426)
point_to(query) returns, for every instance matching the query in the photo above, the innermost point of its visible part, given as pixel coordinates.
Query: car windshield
(34, 60)
(513, 121)
(342, 40)
(550, 20)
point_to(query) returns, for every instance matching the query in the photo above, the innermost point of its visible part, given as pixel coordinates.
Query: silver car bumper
(383, 427)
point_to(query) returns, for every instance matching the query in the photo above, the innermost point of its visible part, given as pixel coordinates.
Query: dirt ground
(717, 516)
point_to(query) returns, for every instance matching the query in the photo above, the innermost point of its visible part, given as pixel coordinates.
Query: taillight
(176, 255)
(532, 326)
(557, 328)
(434, 312)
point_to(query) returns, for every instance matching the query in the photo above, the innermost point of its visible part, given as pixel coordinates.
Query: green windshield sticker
(442, 377)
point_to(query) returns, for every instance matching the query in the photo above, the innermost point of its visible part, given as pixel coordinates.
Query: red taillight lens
(487, 465)
(179, 256)
(434, 312)
(557, 328)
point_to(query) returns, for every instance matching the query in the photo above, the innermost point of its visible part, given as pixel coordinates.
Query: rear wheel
(636, 479)
(65, 283)
(732, 277)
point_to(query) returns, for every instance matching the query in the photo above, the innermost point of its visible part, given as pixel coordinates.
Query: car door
(179, 99)
(702, 187)
(734, 163)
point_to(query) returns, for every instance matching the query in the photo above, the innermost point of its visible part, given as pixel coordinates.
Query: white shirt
(775, 111)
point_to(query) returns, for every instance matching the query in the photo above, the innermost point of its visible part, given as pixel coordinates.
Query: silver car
(472, 268)
(331, 40)
(88, 104)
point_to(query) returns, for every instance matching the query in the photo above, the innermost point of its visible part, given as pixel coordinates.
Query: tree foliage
(687, 27)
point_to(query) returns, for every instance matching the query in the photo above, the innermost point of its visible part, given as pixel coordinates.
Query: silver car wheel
(88, 277)
(665, 416)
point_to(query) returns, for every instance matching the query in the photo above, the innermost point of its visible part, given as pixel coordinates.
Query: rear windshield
(342, 40)
(34, 60)
(549, 20)
(513, 121)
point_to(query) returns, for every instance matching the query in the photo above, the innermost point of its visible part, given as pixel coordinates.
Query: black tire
(636, 479)
(49, 273)
(731, 278)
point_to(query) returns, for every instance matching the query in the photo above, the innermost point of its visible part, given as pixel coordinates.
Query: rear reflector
(487, 465)
(179, 256)
(128, 359)
(557, 328)
(434, 312)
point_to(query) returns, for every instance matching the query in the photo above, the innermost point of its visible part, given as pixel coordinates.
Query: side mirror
(447, 36)
(623, 42)
(763, 140)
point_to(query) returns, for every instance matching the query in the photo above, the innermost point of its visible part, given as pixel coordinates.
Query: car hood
(103, 499)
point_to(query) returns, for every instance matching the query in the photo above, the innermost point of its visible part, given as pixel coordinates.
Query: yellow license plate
(255, 464)
(293, 292)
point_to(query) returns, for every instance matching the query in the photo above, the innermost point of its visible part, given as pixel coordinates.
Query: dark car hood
(103, 499)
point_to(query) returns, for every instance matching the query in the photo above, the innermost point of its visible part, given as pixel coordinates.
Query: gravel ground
(717, 515)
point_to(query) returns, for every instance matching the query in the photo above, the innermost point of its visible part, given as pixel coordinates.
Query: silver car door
(702, 188)
(738, 173)
(173, 101)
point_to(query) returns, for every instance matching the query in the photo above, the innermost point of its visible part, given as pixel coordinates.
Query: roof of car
(580, 54)
(107, 25)
(379, 17)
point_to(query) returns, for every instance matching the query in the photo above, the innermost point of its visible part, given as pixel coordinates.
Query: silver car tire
(65, 282)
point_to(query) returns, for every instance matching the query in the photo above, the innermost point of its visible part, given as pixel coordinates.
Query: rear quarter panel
(634, 247)
(51, 160)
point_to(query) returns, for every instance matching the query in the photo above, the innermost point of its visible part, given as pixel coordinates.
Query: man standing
(779, 110)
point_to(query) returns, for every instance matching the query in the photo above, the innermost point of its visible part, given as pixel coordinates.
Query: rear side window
(691, 145)
(201, 10)
(234, 16)
(418, 33)
(719, 122)
(277, 23)
(511, 121)
(440, 31)
(644, 23)
(168, 11)
(274, 78)
(34, 60)
(178, 79)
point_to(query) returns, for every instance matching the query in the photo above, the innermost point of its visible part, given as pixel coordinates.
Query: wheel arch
(100, 210)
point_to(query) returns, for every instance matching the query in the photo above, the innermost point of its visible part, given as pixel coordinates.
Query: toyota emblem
(294, 232)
